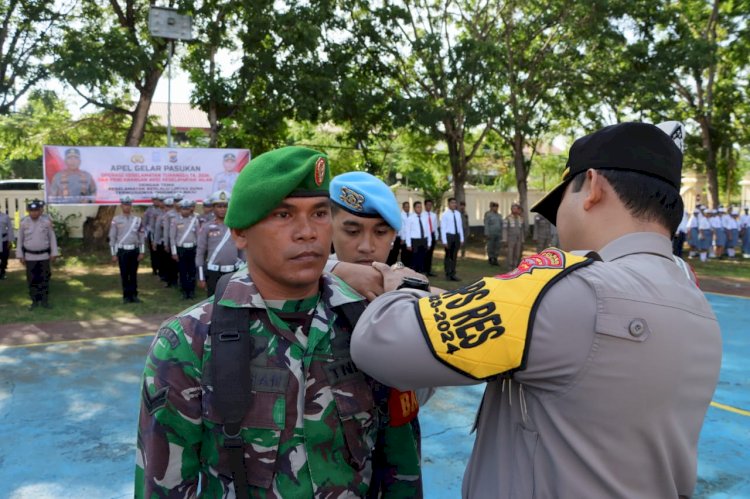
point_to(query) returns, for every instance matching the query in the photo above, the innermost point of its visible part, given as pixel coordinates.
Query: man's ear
(595, 189)
(240, 238)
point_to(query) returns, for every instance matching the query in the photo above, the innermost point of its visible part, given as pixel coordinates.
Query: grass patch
(86, 285)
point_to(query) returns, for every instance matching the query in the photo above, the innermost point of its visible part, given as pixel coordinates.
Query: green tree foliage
(27, 37)
(215, 26)
(285, 71)
(425, 65)
(109, 58)
(693, 65)
(45, 119)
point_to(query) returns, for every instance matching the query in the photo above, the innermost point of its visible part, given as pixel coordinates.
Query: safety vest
(484, 329)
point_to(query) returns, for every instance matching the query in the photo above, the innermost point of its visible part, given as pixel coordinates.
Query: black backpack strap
(347, 316)
(231, 350)
(351, 312)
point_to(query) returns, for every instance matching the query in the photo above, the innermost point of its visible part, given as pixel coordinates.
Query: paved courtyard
(68, 413)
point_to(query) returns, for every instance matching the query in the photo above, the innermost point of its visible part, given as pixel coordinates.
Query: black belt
(40, 252)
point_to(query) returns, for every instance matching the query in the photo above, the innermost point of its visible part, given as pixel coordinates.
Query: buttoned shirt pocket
(356, 409)
(614, 319)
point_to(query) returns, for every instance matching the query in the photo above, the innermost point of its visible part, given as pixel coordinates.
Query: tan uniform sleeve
(388, 344)
(19, 243)
(52, 240)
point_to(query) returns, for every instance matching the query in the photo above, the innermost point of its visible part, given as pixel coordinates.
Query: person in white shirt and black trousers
(452, 235)
(432, 222)
(417, 237)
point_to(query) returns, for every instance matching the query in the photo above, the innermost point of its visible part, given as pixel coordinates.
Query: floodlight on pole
(164, 22)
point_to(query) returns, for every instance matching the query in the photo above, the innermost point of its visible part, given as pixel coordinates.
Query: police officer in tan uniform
(216, 254)
(599, 378)
(127, 244)
(170, 264)
(149, 221)
(542, 233)
(183, 237)
(6, 239)
(207, 215)
(37, 249)
(514, 232)
(493, 232)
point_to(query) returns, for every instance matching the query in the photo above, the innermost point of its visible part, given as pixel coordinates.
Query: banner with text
(101, 175)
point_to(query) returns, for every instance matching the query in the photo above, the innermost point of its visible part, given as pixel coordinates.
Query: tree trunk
(140, 115)
(521, 171)
(712, 176)
(213, 115)
(96, 230)
(458, 169)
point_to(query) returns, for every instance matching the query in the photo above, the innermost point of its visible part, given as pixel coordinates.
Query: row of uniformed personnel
(181, 243)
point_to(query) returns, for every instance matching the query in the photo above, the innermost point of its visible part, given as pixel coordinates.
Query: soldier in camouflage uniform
(217, 254)
(366, 219)
(493, 231)
(311, 424)
(543, 233)
(514, 232)
(127, 243)
(183, 237)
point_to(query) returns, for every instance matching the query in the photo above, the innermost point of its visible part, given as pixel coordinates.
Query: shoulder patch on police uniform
(483, 329)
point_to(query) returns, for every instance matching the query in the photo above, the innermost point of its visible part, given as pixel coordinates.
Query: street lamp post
(164, 22)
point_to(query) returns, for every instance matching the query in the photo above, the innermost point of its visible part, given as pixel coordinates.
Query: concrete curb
(51, 332)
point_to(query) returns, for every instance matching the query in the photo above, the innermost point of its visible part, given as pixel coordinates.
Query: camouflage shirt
(315, 438)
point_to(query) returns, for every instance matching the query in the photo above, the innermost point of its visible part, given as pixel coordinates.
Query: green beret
(269, 178)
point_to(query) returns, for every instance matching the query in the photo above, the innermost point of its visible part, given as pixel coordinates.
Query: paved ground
(68, 413)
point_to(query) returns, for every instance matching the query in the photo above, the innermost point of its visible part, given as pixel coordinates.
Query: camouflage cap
(269, 178)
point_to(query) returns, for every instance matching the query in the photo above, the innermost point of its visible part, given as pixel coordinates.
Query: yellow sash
(484, 329)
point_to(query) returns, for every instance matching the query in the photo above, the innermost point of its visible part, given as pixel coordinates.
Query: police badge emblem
(352, 199)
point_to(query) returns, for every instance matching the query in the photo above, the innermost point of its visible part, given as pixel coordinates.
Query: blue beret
(365, 195)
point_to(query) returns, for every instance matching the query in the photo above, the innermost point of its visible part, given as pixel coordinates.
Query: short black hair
(451, 199)
(428, 201)
(416, 203)
(647, 198)
(405, 203)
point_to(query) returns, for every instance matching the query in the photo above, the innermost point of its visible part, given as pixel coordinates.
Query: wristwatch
(414, 283)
